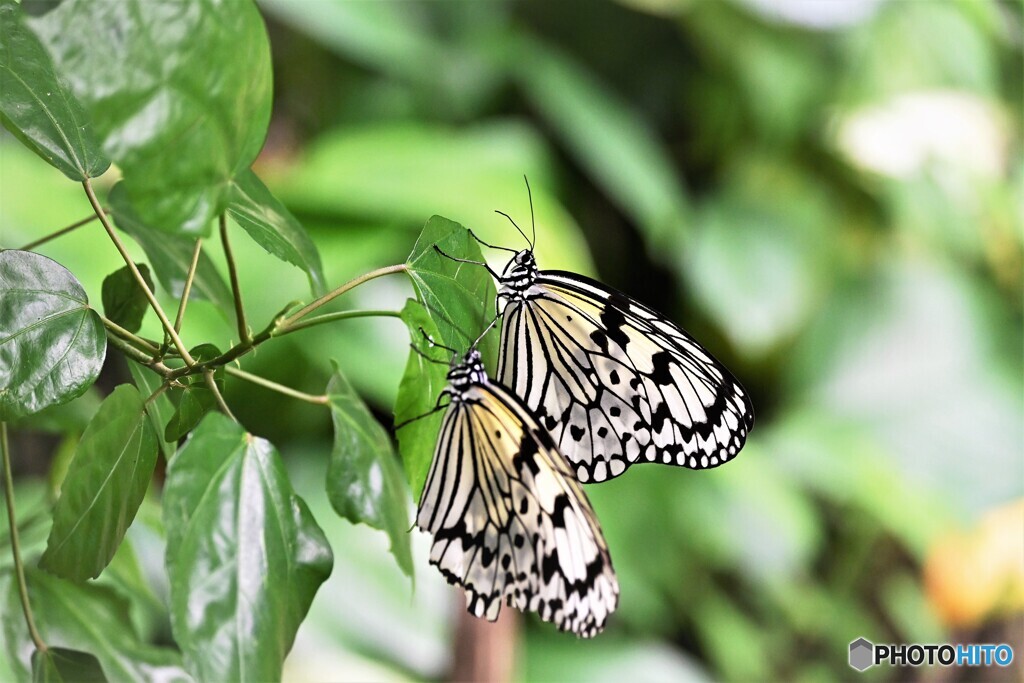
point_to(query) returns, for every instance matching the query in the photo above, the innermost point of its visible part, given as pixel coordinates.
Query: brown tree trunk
(485, 652)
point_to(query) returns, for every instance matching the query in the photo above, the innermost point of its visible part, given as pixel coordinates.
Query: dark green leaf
(195, 402)
(245, 556)
(160, 409)
(37, 108)
(124, 302)
(179, 129)
(273, 227)
(364, 479)
(60, 665)
(460, 297)
(417, 396)
(610, 139)
(88, 618)
(103, 488)
(171, 255)
(52, 345)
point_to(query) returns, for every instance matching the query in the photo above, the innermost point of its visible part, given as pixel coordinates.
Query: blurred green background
(827, 194)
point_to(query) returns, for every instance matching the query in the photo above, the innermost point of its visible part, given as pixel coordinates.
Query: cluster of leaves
(244, 557)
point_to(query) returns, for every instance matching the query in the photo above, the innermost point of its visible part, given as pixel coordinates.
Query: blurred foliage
(829, 199)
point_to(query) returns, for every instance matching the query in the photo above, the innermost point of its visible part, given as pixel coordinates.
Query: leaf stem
(178, 344)
(129, 337)
(139, 356)
(63, 231)
(280, 388)
(221, 403)
(333, 294)
(243, 328)
(187, 290)
(19, 568)
(331, 317)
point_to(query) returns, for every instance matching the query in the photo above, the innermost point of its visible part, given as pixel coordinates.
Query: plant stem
(156, 394)
(280, 388)
(19, 569)
(187, 290)
(340, 315)
(221, 403)
(243, 328)
(178, 344)
(127, 336)
(55, 235)
(330, 296)
(138, 355)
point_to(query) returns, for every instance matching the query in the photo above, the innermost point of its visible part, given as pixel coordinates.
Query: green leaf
(609, 138)
(197, 399)
(274, 228)
(124, 302)
(244, 554)
(364, 479)
(160, 409)
(460, 297)
(179, 129)
(37, 108)
(59, 664)
(89, 618)
(171, 255)
(103, 488)
(418, 393)
(52, 345)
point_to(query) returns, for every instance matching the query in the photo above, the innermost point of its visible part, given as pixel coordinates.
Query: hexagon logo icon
(862, 654)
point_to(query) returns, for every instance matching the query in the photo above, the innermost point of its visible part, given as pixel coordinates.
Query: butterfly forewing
(617, 383)
(510, 522)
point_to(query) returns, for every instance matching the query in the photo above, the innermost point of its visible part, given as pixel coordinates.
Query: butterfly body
(614, 381)
(510, 522)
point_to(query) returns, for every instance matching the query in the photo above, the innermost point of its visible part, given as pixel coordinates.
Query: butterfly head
(519, 276)
(467, 371)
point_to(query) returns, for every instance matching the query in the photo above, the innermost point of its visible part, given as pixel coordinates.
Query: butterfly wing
(509, 520)
(616, 382)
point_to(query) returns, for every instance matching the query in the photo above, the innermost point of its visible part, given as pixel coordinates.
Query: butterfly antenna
(434, 343)
(437, 407)
(516, 227)
(490, 246)
(425, 356)
(466, 260)
(486, 330)
(533, 222)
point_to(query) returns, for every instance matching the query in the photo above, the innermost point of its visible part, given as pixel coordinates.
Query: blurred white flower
(916, 131)
(818, 14)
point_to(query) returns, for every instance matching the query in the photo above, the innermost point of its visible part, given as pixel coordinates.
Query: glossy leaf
(244, 555)
(171, 255)
(458, 296)
(89, 618)
(103, 488)
(274, 228)
(61, 665)
(52, 344)
(610, 140)
(421, 385)
(160, 409)
(124, 302)
(364, 479)
(179, 129)
(37, 108)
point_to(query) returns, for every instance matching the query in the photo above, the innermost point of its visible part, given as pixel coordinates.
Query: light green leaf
(52, 345)
(103, 488)
(124, 302)
(37, 108)
(160, 409)
(244, 554)
(60, 665)
(418, 393)
(364, 479)
(273, 227)
(179, 129)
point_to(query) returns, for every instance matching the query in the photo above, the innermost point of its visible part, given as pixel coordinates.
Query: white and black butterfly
(510, 522)
(615, 382)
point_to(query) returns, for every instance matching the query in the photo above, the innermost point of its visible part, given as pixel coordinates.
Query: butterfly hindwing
(616, 382)
(510, 522)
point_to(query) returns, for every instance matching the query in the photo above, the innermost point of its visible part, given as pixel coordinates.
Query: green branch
(236, 290)
(274, 386)
(63, 231)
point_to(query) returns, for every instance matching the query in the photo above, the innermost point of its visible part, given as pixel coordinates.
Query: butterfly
(509, 520)
(615, 382)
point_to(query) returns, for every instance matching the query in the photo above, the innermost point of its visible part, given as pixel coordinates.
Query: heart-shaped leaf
(364, 479)
(52, 344)
(61, 665)
(244, 554)
(37, 108)
(124, 302)
(103, 488)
